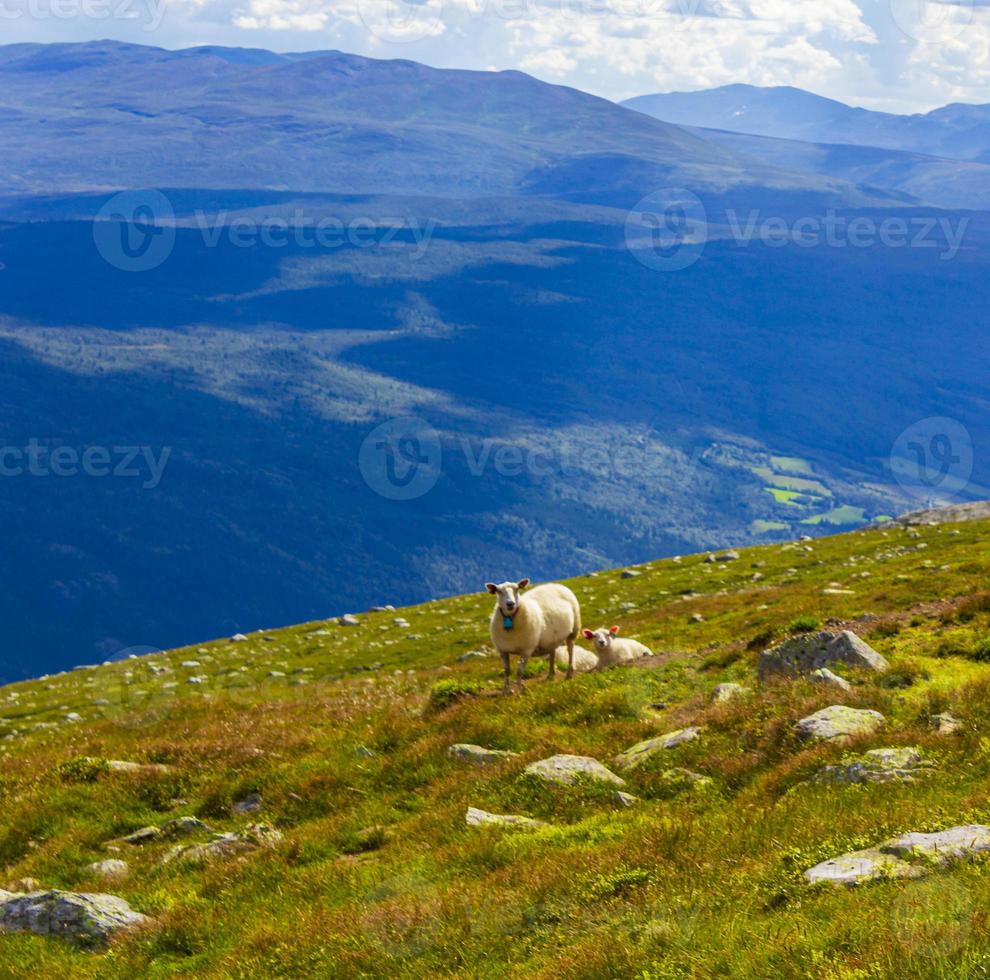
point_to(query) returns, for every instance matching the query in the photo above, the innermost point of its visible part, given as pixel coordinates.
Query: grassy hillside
(343, 733)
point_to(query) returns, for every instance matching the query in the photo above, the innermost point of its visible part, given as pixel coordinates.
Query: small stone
(567, 770)
(478, 754)
(482, 818)
(728, 556)
(624, 800)
(697, 618)
(728, 692)
(112, 869)
(183, 826)
(946, 724)
(225, 845)
(824, 676)
(839, 721)
(238, 638)
(146, 835)
(860, 867)
(190, 663)
(630, 573)
(250, 804)
(472, 655)
(643, 751)
(349, 620)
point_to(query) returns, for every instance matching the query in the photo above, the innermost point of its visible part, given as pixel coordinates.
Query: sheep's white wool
(612, 650)
(544, 618)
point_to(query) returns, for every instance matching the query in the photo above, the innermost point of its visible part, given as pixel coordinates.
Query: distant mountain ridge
(329, 121)
(957, 131)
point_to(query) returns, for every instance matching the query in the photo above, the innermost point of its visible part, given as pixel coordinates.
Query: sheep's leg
(570, 657)
(506, 674)
(523, 660)
(552, 672)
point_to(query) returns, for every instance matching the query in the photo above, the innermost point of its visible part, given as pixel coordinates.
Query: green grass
(843, 516)
(793, 465)
(379, 876)
(798, 484)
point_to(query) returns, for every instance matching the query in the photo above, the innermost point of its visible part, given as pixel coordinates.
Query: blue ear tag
(508, 622)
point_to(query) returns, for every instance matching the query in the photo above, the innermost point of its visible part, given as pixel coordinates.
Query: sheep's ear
(523, 583)
(614, 630)
(588, 635)
(492, 587)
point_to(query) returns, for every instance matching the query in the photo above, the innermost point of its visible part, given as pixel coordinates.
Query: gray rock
(482, 818)
(119, 765)
(630, 573)
(146, 835)
(251, 803)
(728, 556)
(879, 766)
(112, 868)
(942, 847)
(728, 692)
(946, 724)
(238, 638)
(472, 655)
(349, 620)
(643, 751)
(226, 845)
(79, 918)
(184, 826)
(838, 721)
(860, 867)
(824, 676)
(624, 800)
(568, 770)
(478, 754)
(803, 654)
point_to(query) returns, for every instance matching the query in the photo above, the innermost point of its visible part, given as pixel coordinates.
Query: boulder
(803, 654)
(860, 867)
(838, 721)
(146, 835)
(79, 918)
(567, 770)
(824, 676)
(878, 766)
(482, 818)
(478, 754)
(942, 847)
(251, 803)
(643, 751)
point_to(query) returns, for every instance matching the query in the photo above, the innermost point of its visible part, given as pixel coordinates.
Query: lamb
(611, 650)
(534, 624)
(584, 660)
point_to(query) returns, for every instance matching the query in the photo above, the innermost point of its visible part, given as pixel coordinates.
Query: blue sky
(897, 55)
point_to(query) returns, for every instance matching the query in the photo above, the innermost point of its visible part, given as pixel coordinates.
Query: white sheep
(612, 650)
(584, 660)
(534, 624)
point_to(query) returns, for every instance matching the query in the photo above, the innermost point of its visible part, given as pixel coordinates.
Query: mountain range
(490, 275)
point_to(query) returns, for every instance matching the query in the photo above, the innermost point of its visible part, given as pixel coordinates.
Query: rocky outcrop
(226, 845)
(79, 918)
(860, 867)
(879, 766)
(803, 654)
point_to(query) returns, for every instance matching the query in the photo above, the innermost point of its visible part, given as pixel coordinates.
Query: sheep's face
(601, 638)
(508, 595)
